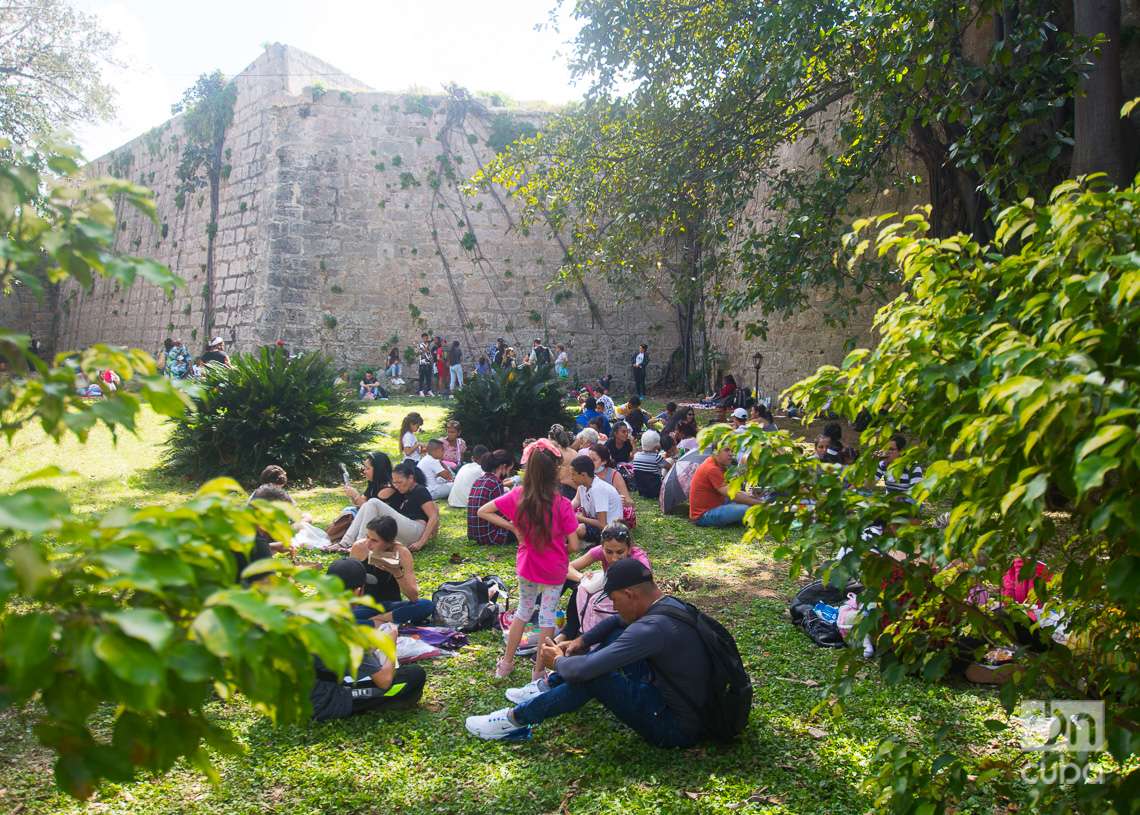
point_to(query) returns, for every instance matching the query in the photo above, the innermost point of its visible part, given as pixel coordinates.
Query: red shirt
(704, 491)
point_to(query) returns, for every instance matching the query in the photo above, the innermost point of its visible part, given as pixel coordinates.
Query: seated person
(465, 478)
(454, 448)
(620, 444)
(649, 670)
(667, 414)
(737, 419)
(598, 424)
(378, 683)
(759, 414)
(370, 386)
(897, 484)
(649, 465)
(709, 501)
(847, 455)
(827, 451)
(409, 504)
(605, 403)
(390, 564)
(496, 466)
(437, 478)
(585, 439)
(596, 503)
(637, 419)
(590, 411)
(724, 396)
(588, 605)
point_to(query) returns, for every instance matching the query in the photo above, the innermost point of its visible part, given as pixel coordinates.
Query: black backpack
(729, 701)
(466, 605)
(542, 355)
(802, 611)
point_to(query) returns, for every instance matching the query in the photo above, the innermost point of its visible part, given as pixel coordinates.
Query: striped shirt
(903, 481)
(485, 489)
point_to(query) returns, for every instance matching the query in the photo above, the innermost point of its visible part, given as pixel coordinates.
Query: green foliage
(1012, 367)
(468, 241)
(141, 611)
(420, 104)
(329, 321)
(317, 91)
(509, 406)
(268, 409)
(121, 627)
(208, 109)
(506, 129)
(407, 181)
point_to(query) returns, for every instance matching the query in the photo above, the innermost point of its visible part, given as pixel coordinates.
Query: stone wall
(341, 227)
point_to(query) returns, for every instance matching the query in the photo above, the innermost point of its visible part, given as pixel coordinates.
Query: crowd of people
(605, 633)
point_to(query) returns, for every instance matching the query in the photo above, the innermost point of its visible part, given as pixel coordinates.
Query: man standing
(640, 365)
(539, 354)
(709, 501)
(651, 671)
(426, 360)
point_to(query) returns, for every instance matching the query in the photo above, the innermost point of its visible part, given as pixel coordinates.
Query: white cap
(740, 413)
(216, 341)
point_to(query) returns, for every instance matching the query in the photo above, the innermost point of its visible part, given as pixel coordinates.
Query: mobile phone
(344, 474)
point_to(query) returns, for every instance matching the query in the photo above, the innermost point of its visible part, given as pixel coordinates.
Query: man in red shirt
(709, 501)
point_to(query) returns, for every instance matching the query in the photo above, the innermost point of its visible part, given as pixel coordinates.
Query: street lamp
(757, 361)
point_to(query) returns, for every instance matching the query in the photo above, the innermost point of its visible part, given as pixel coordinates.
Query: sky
(391, 45)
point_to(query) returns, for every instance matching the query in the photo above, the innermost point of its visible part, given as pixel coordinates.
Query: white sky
(391, 45)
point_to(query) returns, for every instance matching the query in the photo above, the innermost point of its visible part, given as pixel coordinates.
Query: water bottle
(559, 619)
(829, 614)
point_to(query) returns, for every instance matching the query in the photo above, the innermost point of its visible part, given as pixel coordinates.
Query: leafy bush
(509, 405)
(1013, 368)
(269, 409)
(123, 627)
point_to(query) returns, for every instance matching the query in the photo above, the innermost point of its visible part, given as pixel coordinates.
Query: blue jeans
(405, 612)
(724, 515)
(456, 378)
(626, 693)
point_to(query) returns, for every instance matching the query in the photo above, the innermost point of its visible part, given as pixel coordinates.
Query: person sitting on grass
(651, 671)
(454, 448)
(637, 419)
(617, 544)
(648, 465)
(605, 402)
(391, 564)
(620, 444)
(369, 386)
(759, 414)
(437, 478)
(496, 466)
(589, 411)
(900, 483)
(466, 477)
(379, 683)
(409, 504)
(596, 503)
(710, 503)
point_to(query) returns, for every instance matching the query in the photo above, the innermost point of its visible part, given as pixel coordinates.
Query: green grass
(790, 760)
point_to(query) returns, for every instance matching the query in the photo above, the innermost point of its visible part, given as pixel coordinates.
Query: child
(437, 477)
(409, 445)
(454, 448)
(562, 363)
(543, 522)
(648, 464)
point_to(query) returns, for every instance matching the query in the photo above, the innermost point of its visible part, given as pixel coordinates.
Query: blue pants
(627, 693)
(409, 612)
(724, 515)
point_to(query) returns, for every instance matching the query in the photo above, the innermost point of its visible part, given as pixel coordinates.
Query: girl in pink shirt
(544, 524)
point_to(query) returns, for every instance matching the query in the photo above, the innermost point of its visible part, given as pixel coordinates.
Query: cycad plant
(269, 409)
(509, 405)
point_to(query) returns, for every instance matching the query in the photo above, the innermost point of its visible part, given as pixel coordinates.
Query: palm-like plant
(269, 409)
(509, 405)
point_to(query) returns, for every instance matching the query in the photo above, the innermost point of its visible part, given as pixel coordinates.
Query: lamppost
(757, 361)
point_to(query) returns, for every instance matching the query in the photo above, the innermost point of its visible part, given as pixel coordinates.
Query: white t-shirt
(461, 489)
(640, 359)
(562, 358)
(601, 497)
(409, 440)
(431, 468)
(606, 406)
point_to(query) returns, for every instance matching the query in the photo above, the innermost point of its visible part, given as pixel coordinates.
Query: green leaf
(34, 510)
(1090, 473)
(252, 606)
(128, 659)
(146, 624)
(1103, 436)
(27, 644)
(219, 630)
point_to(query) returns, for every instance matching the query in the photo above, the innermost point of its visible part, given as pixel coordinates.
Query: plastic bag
(308, 536)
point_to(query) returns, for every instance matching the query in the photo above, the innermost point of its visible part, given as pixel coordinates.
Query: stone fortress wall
(343, 226)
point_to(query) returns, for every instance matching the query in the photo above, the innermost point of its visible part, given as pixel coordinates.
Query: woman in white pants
(411, 506)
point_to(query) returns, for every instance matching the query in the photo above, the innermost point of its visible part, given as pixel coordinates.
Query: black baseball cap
(625, 573)
(352, 573)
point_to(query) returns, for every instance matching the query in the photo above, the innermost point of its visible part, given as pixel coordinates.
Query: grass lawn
(790, 760)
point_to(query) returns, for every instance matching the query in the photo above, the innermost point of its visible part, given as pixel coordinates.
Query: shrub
(269, 409)
(1013, 370)
(509, 405)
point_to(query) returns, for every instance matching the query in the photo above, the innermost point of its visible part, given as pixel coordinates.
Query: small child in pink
(545, 525)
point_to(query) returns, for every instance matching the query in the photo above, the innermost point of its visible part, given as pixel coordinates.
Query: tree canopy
(51, 63)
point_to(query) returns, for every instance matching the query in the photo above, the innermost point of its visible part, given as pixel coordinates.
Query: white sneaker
(531, 689)
(420, 393)
(495, 726)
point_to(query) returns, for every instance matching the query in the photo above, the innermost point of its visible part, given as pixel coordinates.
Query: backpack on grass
(729, 701)
(469, 605)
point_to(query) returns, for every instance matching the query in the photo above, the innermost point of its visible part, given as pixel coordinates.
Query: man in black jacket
(649, 670)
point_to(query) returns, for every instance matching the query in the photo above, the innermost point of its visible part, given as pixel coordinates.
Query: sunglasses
(617, 532)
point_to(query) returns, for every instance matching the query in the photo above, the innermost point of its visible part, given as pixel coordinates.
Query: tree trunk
(1100, 141)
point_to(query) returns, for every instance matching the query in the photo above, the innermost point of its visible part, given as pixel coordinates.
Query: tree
(123, 627)
(792, 117)
(209, 109)
(1102, 143)
(1012, 368)
(51, 64)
